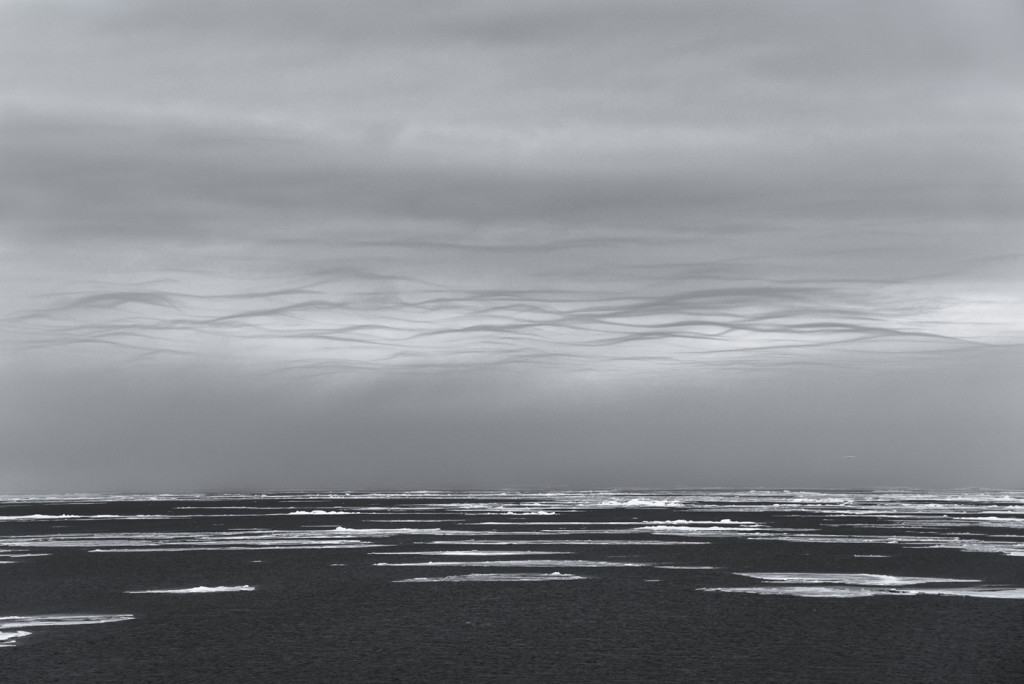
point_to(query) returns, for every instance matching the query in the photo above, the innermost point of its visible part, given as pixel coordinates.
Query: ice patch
(807, 592)
(859, 579)
(7, 638)
(499, 577)
(535, 563)
(975, 592)
(708, 528)
(66, 516)
(24, 555)
(857, 592)
(319, 512)
(469, 552)
(196, 590)
(17, 622)
(567, 542)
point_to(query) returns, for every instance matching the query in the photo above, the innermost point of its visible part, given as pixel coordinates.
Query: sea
(556, 586)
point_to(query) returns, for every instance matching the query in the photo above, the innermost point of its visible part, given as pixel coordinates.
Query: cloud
(366, 197)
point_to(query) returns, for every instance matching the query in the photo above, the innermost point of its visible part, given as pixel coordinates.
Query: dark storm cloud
(374, 205)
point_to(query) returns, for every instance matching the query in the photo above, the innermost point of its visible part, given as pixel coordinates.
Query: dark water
(849, 587)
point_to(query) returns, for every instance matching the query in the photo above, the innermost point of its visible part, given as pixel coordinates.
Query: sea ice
(196, 590)
(469, 552)
(839, 591)
(537, 563)
(499, 577)
(7, 638)
(805, 591)
(17, 622)
(856, 578)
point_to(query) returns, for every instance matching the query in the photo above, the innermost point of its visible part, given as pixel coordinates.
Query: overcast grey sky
(511, 244)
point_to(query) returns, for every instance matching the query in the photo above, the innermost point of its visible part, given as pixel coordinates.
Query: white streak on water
(261, 547)
(35, 517)
(17, 622)
(196, 590)
(567, 542)
(319, 512)
(975, 592)
(857, 592)
(8, 638)
(855, 578)
(535, 563)
(469, 552)
(499, 577)
(807, 592)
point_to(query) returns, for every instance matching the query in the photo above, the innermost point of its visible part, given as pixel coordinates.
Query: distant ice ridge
(17, 622)
(196, 590)
(499, 577)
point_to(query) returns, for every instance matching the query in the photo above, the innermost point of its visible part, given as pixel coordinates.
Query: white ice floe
(8, 638)
(725, 527)
(23, 555)
(805, 591)
(855, 578)
(319, 512)
(233, 540)
(568, 542)
(196, 590)
(534, 563)
(261, 547)
(469, 552)
(499, 577)
(840, 591)
(67, 516)
(975, 592)
(19, 622)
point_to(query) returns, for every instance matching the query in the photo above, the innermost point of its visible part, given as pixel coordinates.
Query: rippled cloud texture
(482, 244)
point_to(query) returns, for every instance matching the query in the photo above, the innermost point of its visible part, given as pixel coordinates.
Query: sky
(541, 244)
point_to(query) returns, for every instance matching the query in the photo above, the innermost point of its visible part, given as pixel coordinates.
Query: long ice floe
(855, 578)
(840, 591)
(532, 563)
(499, 577)
(196, 590)
(19, 622)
